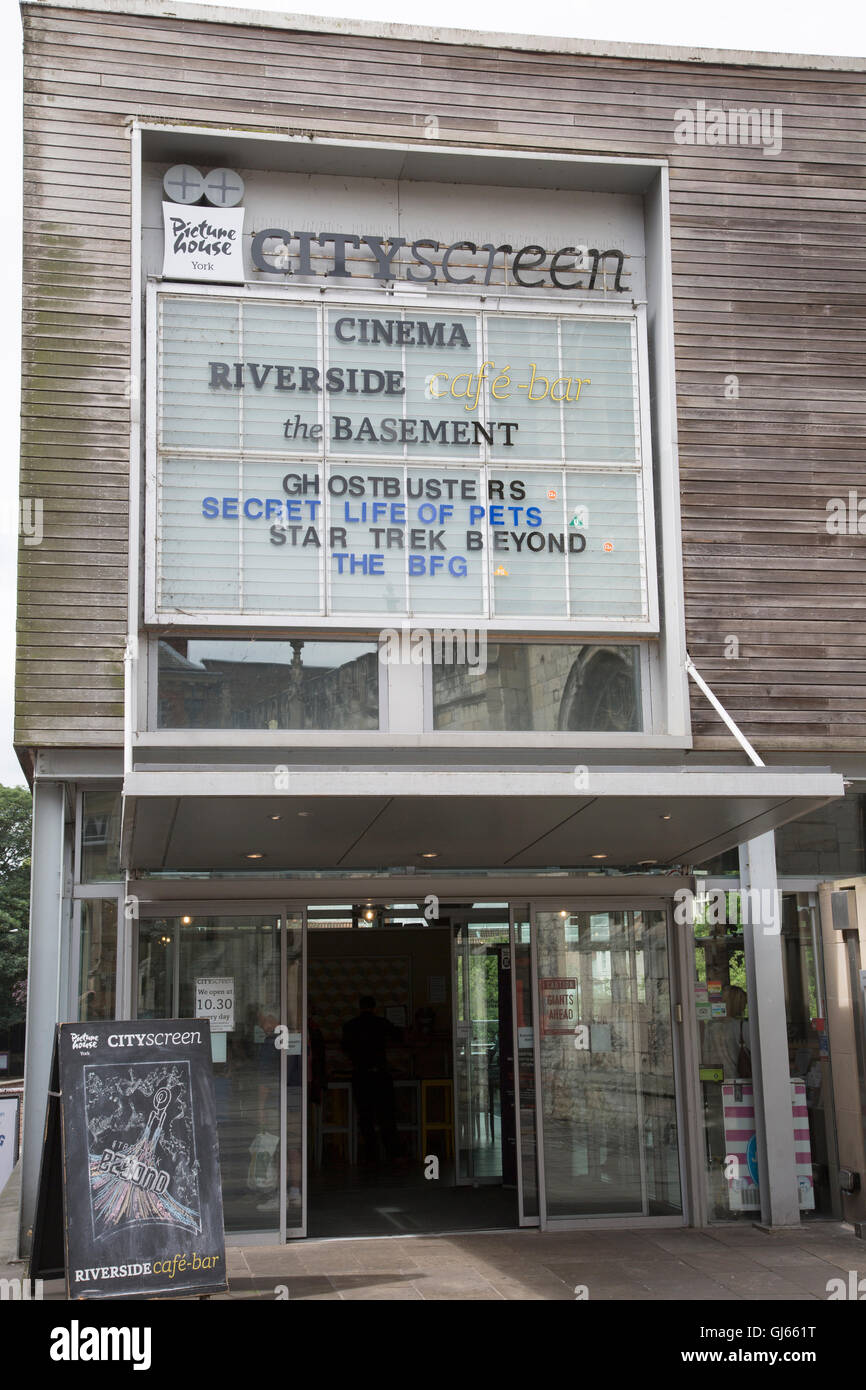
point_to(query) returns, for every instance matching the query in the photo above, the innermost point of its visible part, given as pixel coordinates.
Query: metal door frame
(522, 1219)
(463, 919)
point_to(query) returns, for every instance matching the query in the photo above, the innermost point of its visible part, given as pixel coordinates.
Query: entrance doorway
(523, 1068)
(412, 1117)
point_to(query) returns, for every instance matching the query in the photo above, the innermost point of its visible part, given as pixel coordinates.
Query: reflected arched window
(602, 692)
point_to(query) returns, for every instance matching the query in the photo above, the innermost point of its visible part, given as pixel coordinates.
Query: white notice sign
(8, 1137)
(215, 1000)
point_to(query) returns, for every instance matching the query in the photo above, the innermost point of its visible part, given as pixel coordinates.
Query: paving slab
(725, 1263)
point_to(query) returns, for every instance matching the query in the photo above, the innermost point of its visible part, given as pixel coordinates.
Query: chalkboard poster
(142, 1201)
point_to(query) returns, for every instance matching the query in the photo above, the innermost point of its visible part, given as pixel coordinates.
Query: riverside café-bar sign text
(354, 460)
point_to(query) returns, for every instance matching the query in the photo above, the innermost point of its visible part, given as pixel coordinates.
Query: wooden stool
(344, 1128)
(444, 1126)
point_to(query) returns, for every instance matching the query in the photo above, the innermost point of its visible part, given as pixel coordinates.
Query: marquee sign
(357, 461)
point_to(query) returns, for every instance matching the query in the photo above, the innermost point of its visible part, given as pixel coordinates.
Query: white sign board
(8, 1137)
(203, 243)
(215, 1000)
(361, 462)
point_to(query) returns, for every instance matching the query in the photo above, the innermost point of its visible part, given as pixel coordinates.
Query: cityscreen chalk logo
(143, 1168)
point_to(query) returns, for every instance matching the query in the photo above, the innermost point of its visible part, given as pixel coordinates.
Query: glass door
(485, 1131)
(608, 1112)
(244, 970)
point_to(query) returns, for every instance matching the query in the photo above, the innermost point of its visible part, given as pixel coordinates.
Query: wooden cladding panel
(769, 283)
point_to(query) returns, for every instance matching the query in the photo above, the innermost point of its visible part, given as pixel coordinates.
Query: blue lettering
(210, 506)
(253, 502)
(360, 564)
(230, 508)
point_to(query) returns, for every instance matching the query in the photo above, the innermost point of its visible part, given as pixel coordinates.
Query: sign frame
(550, 307)
(142, 1216)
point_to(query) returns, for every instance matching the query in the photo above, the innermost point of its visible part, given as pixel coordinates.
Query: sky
(776, 26)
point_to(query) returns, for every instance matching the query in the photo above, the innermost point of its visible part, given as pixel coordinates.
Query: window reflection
(227, 684)
(97, 959)
(100, 836)
(540, 687)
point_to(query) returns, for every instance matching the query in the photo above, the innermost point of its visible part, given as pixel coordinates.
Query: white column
(771, 1072)
(43, 985)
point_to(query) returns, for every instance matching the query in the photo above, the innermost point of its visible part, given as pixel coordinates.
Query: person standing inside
(366, 1040)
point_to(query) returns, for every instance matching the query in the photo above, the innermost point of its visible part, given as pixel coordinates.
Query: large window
(100, 836)
(540, 687)
(216, 684)
(809, 1057)
(97, 960)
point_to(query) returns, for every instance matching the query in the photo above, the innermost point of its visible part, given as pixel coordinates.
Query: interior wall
(402, 968)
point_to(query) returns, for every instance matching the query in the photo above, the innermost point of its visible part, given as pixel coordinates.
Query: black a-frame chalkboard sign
(130, 1202)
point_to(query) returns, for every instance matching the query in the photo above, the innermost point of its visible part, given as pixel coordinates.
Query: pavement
(721, 1263)
(732, 1265)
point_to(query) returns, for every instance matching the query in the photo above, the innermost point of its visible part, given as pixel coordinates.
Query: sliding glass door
(608, 1114)
(244, 971)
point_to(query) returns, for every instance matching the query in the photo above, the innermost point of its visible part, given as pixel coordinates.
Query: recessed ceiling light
(369, 914)
(563, 913)
(275, 818)
(303, 813)
(599, 856)
(647, 861)
(256, 854)
(666, 816)
(429, 853)
(186, 921)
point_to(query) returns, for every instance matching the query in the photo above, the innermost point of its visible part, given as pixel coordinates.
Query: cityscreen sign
(355, 461)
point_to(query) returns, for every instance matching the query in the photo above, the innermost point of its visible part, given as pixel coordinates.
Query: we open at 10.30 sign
(354, 461)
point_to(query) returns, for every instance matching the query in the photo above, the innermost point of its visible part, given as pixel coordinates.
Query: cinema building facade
(431, 436)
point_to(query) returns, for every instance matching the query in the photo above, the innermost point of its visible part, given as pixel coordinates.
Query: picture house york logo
(712, 125)
(202, 244)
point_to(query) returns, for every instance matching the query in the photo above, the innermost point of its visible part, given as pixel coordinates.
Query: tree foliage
(15, 821)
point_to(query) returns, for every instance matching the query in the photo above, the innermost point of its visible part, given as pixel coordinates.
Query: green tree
(15, 818)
